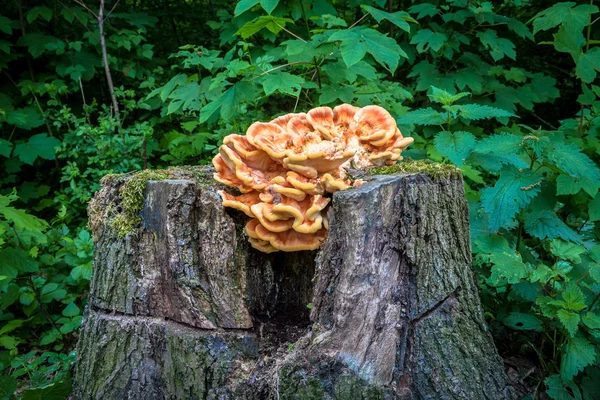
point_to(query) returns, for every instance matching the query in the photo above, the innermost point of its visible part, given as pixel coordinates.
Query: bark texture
(183, 307)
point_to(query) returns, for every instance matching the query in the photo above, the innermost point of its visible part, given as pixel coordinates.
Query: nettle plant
(534, 207)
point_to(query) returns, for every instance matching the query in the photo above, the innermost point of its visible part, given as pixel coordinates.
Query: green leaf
(587, 65)
(425, 39)
(558, 390)
(9, 342)
(54, 391)
(570, 159)
(357, 41)
(36, 42)
(499, 47)
(513, 191)
(545, 224)
(424, 10)
(283, 82)
(399, 18)
(574, 298)
(71, 310)
(5, 25)
(11, 326)
(506, 269)
(423, 116)
(569, 320)
(268, 5)
(25, 118)
(40, 145)
(567, 250)
(244, 5)
(40, 11)
(523, 322)
(273, 24)
(5, 148)
(455, 146)
(228, 101)
(445, 98)
(572, 18)
(594, 208)
(566, 184)
(579, 353)
(476, 112)
(591, 320)
(22, 220)
(8, 385)
(14, 261)
(568, 41)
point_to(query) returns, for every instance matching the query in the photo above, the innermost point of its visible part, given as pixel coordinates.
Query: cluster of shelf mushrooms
(285, 168)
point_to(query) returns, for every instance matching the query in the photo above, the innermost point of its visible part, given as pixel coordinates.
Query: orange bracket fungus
(285, 168)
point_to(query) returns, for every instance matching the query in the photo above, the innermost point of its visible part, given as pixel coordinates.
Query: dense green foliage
(503, 90)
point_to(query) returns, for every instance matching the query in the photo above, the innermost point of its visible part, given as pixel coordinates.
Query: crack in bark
(437, 306)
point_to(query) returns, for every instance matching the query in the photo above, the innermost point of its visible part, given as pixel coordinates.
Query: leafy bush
(465, 78)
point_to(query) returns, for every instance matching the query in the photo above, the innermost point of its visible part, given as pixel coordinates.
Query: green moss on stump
(122, 213)
(435, 170)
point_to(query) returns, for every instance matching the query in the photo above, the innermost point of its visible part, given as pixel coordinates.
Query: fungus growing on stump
(285, 168)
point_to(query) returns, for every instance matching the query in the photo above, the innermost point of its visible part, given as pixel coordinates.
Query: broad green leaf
(572, 18)
(227, 102)
(71, 310)
(11, 326)
(499, 47)
(523, 322)
(513, 191)
(506, 269)
(5, 148)
(357, 41)
(273, 24)
(25, 118)
(570, 159)
(283, 82)
(5, 25)
(424, 10)
(426, 39)
(573, 298)
(559, 390)
(9, 342)
(545, 224)
(587, 65)
(54, 391)
(36, 42)
(423, 116)
(14, 261)
(244, 5)
(475, 112)
(40, 145)
(567, 250)
(594, 208)
(542, 274)
(445, 98)
(39, 11)
(578, 354)
(22, 220)
(566, 184)
(591, 320)
(568, 41)
(8, 385)
(268, 5)
(569, 320)
(398, 18)
(455, 146)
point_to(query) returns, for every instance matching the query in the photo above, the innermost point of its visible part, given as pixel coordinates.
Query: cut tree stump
(182, 307)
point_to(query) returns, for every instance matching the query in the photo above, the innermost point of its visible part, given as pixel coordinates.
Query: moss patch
(435, 170)
(132, 194)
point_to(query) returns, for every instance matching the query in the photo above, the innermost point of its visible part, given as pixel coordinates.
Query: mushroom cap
(285, 167)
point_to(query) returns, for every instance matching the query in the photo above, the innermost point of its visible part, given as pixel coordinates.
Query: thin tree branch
(291, 33)
(87, 8)
(109, 80)
(79, 19)
(23, 32)
(356, 23)
(111, 10)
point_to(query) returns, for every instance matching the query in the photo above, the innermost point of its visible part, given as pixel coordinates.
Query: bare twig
(291, 33)
(357, 22)
(79, 19)
(87, 8)
(23, 32)
(87, 116)
(109, 80)
(111, 10)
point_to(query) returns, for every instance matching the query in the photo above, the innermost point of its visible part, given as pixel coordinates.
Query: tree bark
(184, 308)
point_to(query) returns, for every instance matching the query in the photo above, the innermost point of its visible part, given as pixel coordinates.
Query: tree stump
(182, 307)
